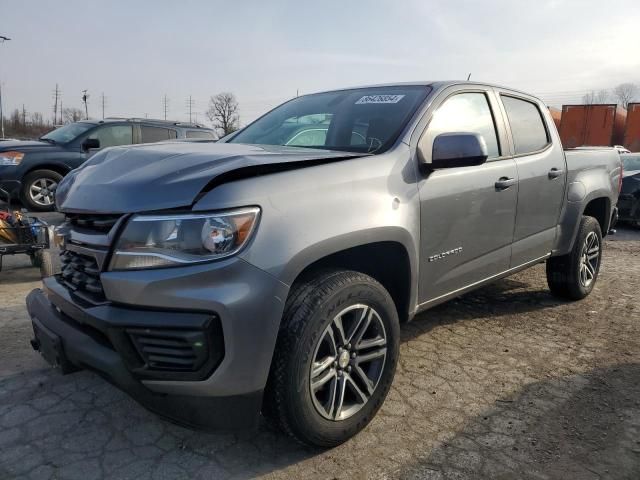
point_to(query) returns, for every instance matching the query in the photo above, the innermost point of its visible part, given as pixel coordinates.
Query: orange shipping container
(556, 114)
(592, 125)
(632, 130)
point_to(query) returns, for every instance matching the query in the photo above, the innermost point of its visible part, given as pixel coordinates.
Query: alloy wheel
(348, 362)
(42, 191)
(589, 259)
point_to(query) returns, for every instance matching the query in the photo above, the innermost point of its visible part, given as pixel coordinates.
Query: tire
(309, 335)
(36, 259)
(49, 262)
(45, 180)
(574, 275)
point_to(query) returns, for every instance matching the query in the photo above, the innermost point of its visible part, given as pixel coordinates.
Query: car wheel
(335, 358)
(574, 275)
(38, 190)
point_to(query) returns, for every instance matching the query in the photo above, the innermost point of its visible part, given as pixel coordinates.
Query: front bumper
(12, 187)
(237, 306)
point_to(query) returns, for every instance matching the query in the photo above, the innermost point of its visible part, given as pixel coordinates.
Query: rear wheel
(38, 190)
(574, 275)
(335, 358)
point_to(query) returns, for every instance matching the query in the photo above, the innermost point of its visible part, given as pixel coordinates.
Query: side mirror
(458, 149)
(90, 143)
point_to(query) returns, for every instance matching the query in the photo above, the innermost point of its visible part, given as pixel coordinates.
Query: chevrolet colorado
(269, 273)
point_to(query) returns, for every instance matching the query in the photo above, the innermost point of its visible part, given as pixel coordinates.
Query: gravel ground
(506, 382)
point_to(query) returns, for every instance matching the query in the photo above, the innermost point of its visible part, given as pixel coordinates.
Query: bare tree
(593, 97)
(625, 93)
(602, 96)
(37, 120)
(72, 115)
(223, 113)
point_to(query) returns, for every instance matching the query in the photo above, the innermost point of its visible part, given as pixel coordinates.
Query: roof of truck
(438, 84)
(148, 121)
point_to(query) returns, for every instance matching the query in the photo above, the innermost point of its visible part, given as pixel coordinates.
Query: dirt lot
(506, 382)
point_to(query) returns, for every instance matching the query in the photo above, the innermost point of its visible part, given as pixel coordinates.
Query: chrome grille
(99, 223)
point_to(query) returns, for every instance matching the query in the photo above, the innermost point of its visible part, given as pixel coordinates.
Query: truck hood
(172, 174)
(27, 145)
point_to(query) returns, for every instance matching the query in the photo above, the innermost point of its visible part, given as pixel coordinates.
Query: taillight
(620, 177)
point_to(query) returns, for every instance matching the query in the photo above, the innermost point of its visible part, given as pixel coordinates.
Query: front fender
(313, 212)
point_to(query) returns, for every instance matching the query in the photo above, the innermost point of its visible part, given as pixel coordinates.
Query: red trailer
(556, 114)
(632, 129)
(592, 125)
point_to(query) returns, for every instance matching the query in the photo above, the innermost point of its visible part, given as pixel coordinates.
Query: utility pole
(103, 101)
(190, 104)
(165, 105)
(85, 97)
(61, 113)
(56, 95)
(2, 40)
(24, 116)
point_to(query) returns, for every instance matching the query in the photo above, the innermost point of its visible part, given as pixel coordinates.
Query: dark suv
(31, 170)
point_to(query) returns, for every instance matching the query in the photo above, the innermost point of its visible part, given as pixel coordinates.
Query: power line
(57, 95)
(85, 97)
(190, 104)
(165, 105)
(103, 101)
(2, 40)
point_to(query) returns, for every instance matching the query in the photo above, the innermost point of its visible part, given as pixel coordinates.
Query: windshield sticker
(379, 99)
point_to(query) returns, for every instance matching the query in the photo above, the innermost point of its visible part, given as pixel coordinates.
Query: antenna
(468, 77)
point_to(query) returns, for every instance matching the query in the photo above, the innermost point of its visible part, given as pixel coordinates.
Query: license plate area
(50, 347)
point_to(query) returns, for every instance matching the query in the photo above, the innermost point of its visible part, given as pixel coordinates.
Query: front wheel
(335, 358)
(38, 190)
(574, 275)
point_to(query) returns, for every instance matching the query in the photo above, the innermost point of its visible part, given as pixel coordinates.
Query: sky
(265, 52)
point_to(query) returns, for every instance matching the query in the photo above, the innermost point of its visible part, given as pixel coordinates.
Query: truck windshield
(68, 132)
(366, 120)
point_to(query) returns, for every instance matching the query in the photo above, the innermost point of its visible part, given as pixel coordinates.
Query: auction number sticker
(380, 99)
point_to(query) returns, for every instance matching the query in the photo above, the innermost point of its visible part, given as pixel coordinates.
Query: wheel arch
(387, 261)
(60, 168)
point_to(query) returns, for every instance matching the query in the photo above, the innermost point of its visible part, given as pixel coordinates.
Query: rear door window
(113, 135)
(527, 127)
(157, 134)
(200, 134)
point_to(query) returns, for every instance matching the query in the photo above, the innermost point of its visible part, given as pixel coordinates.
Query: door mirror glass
(458, 149)
(90, 144)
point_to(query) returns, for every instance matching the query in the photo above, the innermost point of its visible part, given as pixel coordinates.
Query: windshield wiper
(48, 140)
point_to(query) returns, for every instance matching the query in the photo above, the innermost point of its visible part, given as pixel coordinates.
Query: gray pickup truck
(269, 273)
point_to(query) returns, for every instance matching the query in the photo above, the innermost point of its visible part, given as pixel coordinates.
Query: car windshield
(68, 132)
(365, 120)
(631, 162)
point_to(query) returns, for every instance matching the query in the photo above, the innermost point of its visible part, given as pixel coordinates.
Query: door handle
(505, 182)
(555, 173)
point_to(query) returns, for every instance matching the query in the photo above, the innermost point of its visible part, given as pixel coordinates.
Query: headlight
(155, 241)
(11, 158)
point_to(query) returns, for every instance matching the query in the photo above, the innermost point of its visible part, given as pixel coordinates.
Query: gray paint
(323, 202)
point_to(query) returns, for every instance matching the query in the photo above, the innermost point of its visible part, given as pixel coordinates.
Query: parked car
(32, 170)
(629, 201)
(260, 277)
